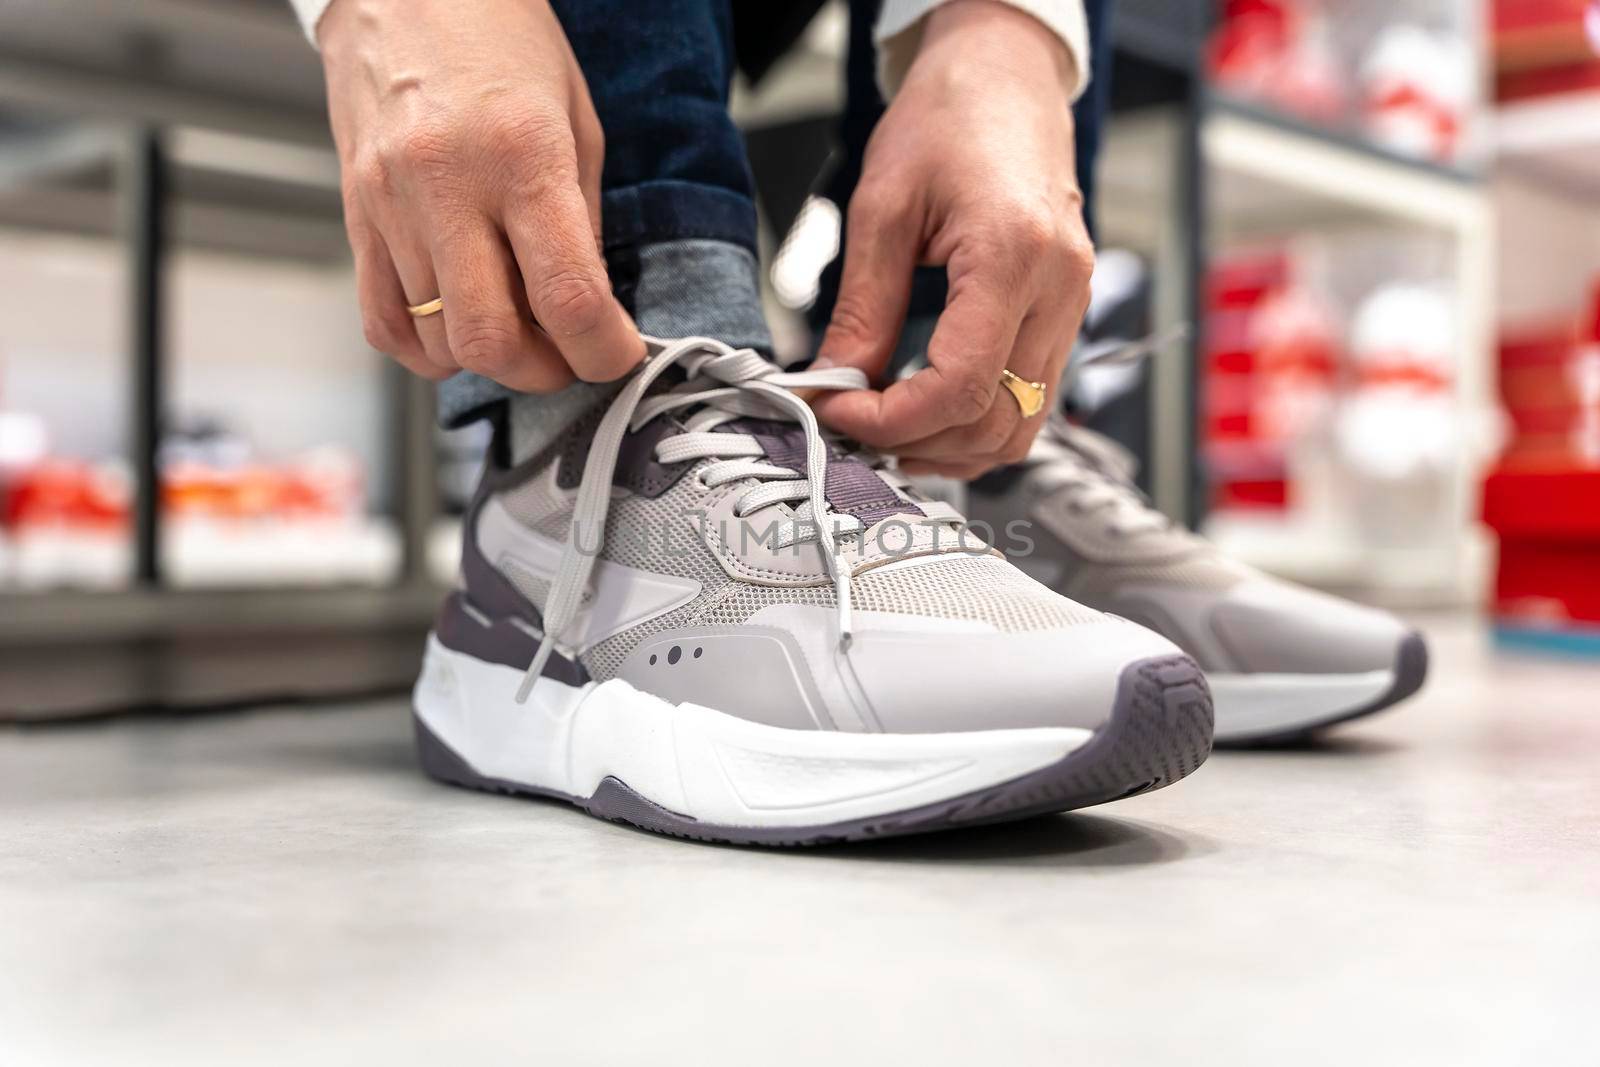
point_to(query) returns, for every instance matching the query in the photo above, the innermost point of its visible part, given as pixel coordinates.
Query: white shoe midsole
(1249, 705)
(703, 763)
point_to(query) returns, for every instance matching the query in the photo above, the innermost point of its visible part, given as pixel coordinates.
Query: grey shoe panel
(1270, 626)
(637, 467)
(936, 683)
(754, 672)
(1181, 617)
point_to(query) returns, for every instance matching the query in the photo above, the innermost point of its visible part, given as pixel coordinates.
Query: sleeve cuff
(310, 12)
(899, 32)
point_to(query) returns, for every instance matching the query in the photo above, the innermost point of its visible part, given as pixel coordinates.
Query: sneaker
(1282, 661)
(698, 615)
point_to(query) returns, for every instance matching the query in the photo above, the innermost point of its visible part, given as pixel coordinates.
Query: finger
(413, 262)
(970, 344)
(567, 287)
(487, 325)
(880, 256)
(1002, 430)
(384, 319)
(591, 145)
(961, 472)
(1056, 340)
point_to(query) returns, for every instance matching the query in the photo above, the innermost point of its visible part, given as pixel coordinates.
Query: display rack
(1555, 140)
(1274, 175)
(224, 102)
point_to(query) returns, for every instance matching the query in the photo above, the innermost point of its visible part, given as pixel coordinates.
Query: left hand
(971, 167)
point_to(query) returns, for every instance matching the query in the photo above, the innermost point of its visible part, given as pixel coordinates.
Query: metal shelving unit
(192, 124)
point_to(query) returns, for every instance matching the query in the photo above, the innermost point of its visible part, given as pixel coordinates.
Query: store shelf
(1274, 173)
(1556, 140)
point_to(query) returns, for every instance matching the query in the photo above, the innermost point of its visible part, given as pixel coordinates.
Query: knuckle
(1017, 450)
(527, 134)
(1079, 256)
(368, 173)
(990, 436)
(970, 400)
(568, 303)
(381, 331)
(424, 150)
(1033, 234)
(875, 206)
(850, 321)
(484, 344)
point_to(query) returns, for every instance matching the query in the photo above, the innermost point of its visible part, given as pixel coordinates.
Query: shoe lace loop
(1096, 473)
(724, 383)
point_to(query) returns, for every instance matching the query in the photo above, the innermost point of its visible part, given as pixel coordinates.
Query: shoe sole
(1276, 710)
(1159, 731)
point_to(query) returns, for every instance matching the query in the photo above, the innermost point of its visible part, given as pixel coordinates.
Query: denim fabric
(675, 171)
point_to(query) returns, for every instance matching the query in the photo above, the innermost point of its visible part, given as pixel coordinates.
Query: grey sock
(685, 288)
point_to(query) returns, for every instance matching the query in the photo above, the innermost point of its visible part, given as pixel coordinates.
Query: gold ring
(1030, 395)
(426, 308)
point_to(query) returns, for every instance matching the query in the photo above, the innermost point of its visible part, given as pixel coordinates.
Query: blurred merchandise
(1279, 53)
(1401, 74)
(66, 523)
(1332, 429)
(229, 518)
(1543, 498)
(1271, 350)
(1545, 47)
(1398, 432)
(1416, 91)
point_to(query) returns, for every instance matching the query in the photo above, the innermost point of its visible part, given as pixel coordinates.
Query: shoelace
(1097, 473)
(725, 383)
(1096, 470)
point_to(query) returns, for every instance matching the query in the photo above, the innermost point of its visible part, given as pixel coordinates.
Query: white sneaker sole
(1279, 708)
(623, 754)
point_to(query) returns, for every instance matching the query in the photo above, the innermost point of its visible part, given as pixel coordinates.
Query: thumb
(880, 254)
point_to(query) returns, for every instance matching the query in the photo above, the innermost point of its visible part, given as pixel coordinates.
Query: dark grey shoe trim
(1159, 732)
(1411, 670)
(462, 627)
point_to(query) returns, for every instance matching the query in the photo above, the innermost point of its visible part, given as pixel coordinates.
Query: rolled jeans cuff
(678, 288)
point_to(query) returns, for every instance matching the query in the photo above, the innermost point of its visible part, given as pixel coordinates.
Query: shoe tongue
(852, 487)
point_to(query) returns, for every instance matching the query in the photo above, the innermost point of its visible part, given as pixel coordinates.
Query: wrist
(997, 35)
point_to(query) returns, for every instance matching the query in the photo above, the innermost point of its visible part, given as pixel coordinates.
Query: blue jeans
(677, 198)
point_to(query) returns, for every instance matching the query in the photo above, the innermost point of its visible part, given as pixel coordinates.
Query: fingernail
(823, 361)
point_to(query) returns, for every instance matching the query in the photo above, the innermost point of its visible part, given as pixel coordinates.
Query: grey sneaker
(775, 640)
(1282, 661)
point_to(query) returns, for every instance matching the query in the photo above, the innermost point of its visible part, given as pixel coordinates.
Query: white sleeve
(899, 31)
(310, 11)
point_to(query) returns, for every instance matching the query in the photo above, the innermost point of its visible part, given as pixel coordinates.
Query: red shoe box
(1549, 527)
(1541, 48)
(1544, 497)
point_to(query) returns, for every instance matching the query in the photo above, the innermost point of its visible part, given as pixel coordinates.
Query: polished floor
(282, 887)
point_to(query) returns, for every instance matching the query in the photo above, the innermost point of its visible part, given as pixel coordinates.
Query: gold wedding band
(1030, 395)
(426, 308)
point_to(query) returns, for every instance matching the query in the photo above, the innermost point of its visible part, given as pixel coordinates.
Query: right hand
(470, 156)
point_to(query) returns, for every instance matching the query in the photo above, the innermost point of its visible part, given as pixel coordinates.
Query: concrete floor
(282, 886)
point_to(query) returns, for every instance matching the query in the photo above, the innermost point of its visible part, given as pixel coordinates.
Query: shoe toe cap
(937, 682)
(1273, 627)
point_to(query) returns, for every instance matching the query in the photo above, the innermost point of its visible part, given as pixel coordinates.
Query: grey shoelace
(732, 382)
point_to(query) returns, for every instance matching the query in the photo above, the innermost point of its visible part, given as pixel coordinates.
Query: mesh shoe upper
(1101, 543)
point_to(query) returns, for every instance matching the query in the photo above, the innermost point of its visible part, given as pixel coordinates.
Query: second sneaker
(1282, 661)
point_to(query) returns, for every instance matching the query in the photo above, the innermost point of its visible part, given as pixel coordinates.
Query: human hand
(470, 157)
(971, 167)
